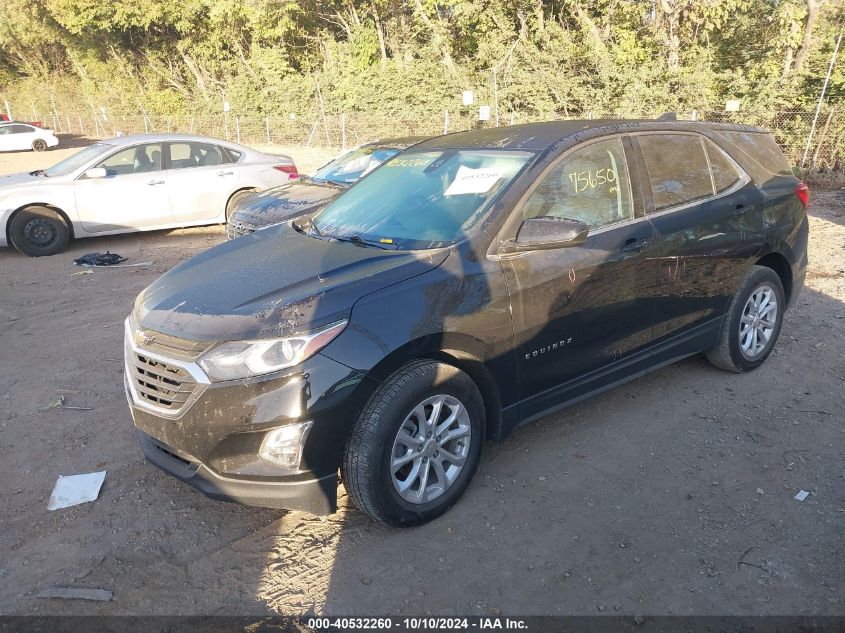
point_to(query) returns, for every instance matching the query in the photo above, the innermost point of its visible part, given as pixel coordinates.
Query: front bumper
(212, 440)
(316, 495)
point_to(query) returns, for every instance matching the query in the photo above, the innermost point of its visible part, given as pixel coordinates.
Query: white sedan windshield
(74, 162)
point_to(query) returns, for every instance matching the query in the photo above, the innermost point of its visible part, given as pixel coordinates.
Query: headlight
(243, 359)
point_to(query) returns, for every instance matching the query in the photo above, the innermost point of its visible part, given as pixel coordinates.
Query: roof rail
(668, 116)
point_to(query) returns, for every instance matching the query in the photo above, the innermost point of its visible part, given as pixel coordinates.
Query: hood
(285, 202)
(273, 283)
(16, 180)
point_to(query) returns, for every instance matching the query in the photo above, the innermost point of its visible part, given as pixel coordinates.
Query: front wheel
(416, 444)
(752, 323)
(38, 231)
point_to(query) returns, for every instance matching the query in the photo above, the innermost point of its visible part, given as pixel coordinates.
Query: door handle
(633, 244)
(225, 173)
(156, 182)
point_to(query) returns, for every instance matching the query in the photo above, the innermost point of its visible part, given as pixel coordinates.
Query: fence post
(822, 136)
(343, 131)
(821, 98)
(81, 128)
(67, 120)
(445, 122)
(8, 109)
(311, 136)
(238, 128)
(267, 128)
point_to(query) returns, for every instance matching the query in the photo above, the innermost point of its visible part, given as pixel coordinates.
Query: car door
(578, 309)
(201, 179)
(703, 207)
(131, 196)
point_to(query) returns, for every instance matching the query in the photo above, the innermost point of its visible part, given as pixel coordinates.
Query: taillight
(803, 193)
(290, 170)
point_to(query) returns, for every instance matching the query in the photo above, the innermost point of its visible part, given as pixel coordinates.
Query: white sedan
(132, 183)
(16, 137)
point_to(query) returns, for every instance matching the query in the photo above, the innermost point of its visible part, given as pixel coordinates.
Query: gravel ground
(672, 494)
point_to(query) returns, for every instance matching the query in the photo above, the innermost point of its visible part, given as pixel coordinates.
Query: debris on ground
(76, 489)
(55, 403)
(99, 259)
(76, 593)
(802, 494)
(82, 272)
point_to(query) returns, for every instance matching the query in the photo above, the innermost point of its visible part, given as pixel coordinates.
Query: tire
(738, 349)
(234, 199)
(39, 145)
(38, 231)
(375, 441)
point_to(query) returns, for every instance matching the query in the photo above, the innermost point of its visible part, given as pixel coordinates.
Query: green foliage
(414, 57)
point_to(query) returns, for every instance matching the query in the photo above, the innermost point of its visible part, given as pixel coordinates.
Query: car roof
(542, 136)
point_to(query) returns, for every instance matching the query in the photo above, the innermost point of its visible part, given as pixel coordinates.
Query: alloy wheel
(758, 321)
(430, 449)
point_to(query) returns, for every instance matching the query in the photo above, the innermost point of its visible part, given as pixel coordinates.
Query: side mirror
(96, 172)
(549, 232)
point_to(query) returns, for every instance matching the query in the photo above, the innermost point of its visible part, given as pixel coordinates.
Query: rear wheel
(38, 231)
(416, 445)
(235, 199)
(39, 145)
(752, 323)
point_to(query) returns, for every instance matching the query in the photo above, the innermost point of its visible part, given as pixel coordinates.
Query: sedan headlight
(244, 359)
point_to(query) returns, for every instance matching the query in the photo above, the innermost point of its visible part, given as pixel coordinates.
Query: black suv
(473, 283)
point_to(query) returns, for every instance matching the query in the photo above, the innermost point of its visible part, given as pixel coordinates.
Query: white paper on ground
(75, 489)
(469, 180)
(802, 494)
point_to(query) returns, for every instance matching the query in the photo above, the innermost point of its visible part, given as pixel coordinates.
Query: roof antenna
(668, 116)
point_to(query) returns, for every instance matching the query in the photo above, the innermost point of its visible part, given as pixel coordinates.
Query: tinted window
(725, 175)
(591, 185)
(762, 149)
(183, 155)
(422, 199)
(133, 160)
(16, 129)
(677, 168)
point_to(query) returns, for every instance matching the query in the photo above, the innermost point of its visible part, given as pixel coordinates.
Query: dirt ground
(672, 494)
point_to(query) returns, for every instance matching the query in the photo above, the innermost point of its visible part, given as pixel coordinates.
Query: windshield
(354, 165)
(75, 161)
(424, 199)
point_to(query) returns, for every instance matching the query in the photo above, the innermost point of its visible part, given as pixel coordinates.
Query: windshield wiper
(359, 241)
(38, 172)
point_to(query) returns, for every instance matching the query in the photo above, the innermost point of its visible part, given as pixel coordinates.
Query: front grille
(238, 228)
(159, 384)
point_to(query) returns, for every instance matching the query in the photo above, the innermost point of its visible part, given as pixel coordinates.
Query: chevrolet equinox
(467, 286)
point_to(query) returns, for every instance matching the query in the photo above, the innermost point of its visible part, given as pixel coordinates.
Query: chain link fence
(790, 127)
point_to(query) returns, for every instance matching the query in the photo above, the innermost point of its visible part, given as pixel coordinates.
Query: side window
(133, 160)
(677, 168)
(591, 185)
(233, 155)
(21, 129)
(184, 155)
(725, 175)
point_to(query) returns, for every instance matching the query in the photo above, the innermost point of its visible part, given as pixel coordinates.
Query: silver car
(132, 183)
